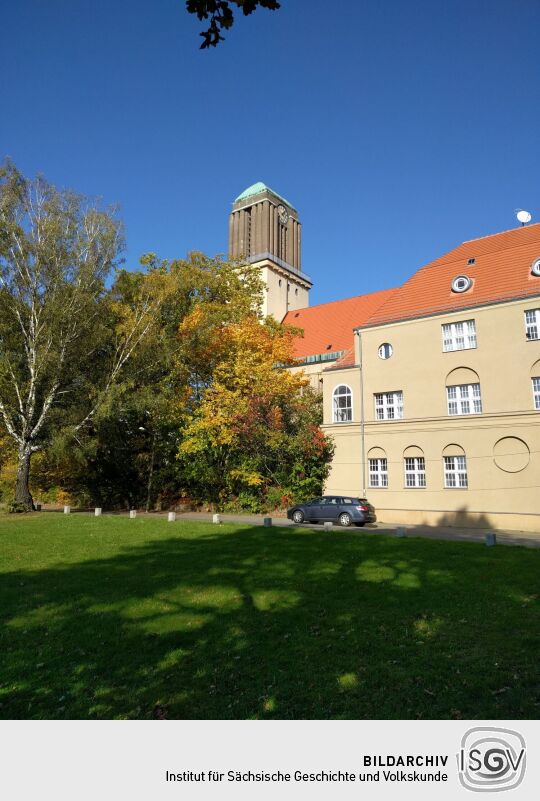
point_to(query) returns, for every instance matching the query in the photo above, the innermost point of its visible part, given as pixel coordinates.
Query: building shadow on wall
(462, 518)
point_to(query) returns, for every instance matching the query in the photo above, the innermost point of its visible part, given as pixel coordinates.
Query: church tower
(264, 230)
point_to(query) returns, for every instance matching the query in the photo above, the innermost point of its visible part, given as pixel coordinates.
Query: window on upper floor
(389, 405)
(459, 336)
(532, 323)
(464, 399)
(415, 471)
(342, 404)
(536, 391)
(385, 350)
(455, 472)
(378, 472)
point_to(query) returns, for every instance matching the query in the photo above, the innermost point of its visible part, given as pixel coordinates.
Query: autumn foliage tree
(125, 456)
(133, 388)
(254, 439)
(65, 339)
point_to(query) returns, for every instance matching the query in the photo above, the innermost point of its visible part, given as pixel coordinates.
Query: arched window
(463, 392)
(414, 464)
(342, 404)
(378, 468)
(455, 467)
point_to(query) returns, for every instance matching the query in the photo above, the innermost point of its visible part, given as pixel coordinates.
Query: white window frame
(461, 283)
(459, 336)
(535, 380)
(455, 472)
(378, 472)
(337, 410)
(415, 472)
(464, 399)
(388, 405)
(532, 324)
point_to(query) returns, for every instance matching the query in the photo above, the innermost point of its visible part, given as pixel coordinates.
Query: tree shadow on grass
(258, 624)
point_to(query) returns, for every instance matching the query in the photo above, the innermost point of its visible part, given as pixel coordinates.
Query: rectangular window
(389, 406)
(464, 399)
(532, 323)
(415, 471)
(378, 473)
(455, 472)
(536, 392)
(459, 336)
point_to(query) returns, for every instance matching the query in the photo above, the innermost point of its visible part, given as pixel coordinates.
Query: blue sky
(398, 129)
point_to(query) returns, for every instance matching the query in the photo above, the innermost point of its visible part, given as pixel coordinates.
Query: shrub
(17, 508)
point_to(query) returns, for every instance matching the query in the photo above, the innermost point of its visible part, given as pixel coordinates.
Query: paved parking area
(528, 539)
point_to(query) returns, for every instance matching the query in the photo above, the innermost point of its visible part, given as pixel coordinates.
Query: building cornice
(445, 312)
(283, 265)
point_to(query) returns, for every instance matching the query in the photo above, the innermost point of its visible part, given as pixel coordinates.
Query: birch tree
(57, 348)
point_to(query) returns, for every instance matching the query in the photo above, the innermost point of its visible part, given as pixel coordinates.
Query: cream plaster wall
(503, 360)
(314, 372)
(279, 299)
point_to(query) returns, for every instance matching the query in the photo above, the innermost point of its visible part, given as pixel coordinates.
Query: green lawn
(107, 617)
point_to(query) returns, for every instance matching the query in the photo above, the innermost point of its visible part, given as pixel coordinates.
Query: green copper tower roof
(256, 189)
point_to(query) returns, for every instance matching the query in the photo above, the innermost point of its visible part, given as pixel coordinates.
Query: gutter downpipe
(362, 428)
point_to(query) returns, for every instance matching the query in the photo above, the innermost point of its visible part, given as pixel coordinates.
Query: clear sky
(398, 129)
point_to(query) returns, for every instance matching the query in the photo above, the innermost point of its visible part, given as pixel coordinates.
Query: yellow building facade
(444, 394)
(429, 463)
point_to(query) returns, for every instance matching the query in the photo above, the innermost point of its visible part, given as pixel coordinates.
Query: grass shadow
(251, 623)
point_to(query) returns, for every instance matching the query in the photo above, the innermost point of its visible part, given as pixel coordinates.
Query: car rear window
(351, 500)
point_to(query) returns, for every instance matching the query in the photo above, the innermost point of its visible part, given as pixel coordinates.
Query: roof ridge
(383, 304)
(439, 262)
(496, 248)
(497, 233)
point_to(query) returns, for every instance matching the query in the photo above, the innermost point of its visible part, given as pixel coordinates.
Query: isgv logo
(491, 759)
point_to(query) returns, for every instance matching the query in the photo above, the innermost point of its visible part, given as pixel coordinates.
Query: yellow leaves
(8, 472)
(251, 352)
(192, 321)
(244, 402)
(246, 476)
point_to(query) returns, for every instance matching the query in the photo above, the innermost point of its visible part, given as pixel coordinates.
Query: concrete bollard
(267, 522)
(67, 510)
(171, 517)
(491, 539)
(216, 519)
(132, 513)
(97, 511)
(328, 526)
(400, 531)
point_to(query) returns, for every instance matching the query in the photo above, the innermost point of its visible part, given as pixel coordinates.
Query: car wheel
(345, 519)
(298, 516)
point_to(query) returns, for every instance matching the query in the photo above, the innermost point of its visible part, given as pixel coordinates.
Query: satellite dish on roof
(523, 216)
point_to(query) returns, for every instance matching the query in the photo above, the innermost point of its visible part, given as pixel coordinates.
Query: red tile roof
(347, 360)
(502, 271)
(329, 326)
